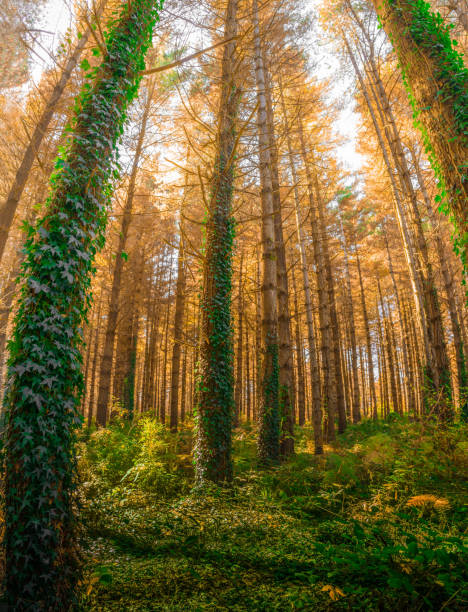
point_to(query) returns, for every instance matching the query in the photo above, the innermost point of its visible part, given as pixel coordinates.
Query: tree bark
(179, 311)
(423, 46)
(215, 388)
(269, 418)
(370, 362)
(285, 360)
(316, 399)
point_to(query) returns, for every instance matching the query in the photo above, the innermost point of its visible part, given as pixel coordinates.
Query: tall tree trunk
(39, 541)
(178, 333)
(92, 383)
(370, 361)
(239, 382)
(437, 81)
(269, 418)
(399, 210)
(248, 380)
(215, 389)
(316, 399)
(439, 365)
(285, 360)
(410, 386)
(384, 370)
(390, 354)
(335, 336)
(299, 360)
(183, 387)
(462, 374)
(129, 373)
(163, 379)
(356, 400)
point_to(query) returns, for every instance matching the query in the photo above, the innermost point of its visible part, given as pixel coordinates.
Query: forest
(233, 305)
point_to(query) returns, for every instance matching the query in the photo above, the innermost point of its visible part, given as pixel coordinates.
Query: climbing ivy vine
(431, 39)
(216, 380)
(215, 386)
(45, 382)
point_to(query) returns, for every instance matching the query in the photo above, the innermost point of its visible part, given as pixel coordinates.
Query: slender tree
(269, 417)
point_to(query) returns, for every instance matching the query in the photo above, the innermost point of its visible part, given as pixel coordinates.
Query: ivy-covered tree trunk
(436, 80)
(215, 395)
(45, 381)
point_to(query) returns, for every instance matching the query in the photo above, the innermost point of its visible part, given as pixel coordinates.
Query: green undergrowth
(378, 523)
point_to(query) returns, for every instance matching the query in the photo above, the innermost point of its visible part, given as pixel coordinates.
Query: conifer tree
(437, 84)
(215, 392)
(45, 381)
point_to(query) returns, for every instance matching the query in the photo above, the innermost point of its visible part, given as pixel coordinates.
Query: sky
(57, 17)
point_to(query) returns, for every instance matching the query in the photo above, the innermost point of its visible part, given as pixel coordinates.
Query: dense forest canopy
(233, 324)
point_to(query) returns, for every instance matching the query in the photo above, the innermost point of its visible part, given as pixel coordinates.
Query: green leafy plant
(45, 381)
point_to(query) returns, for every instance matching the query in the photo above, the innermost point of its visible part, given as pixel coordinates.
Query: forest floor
(377, 523)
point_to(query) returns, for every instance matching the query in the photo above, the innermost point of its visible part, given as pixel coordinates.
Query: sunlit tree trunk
(335, 335)
(248, 377)
(392, 371)
(94, 364)
(162, 405)
(269, 417)
(183, 387)
(370, 361)
(410, 382)
(285, 360)
(316, 400)
(385, 372)
(215, 395)
(462, 375)
(437, 82)
(400, 214)
(438, 374)
(356, 400)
